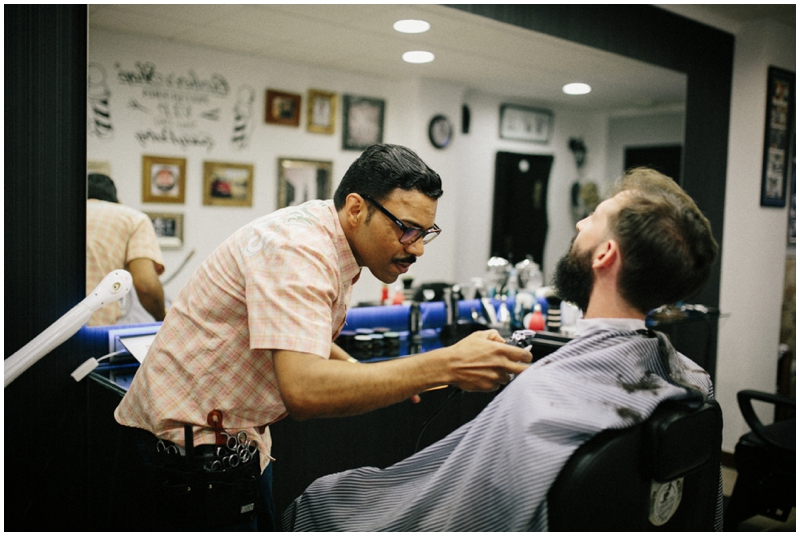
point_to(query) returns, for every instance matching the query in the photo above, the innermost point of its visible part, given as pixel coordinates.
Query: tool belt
(207, 486)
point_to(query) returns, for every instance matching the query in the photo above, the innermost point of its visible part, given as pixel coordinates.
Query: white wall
(753, 259)
(477, 152)
(755, 241)
(466, 167)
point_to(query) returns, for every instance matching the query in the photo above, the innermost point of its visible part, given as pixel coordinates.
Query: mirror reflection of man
(119, 237)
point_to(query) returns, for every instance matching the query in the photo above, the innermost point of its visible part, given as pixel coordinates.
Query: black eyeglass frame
(414, 233)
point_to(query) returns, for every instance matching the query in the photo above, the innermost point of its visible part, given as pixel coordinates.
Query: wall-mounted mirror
(191, 81)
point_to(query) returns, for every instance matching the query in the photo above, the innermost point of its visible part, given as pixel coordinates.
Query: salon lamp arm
(113, 287)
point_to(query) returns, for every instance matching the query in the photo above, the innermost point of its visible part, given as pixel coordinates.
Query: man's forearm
(313, 387)
(153, 303)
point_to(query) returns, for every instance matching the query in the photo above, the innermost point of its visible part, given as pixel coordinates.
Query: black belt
(238, 450)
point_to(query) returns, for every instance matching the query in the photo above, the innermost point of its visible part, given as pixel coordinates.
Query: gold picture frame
(163, 179)
(301, 180)
(282, 108)
(169, 228)
(227, 184)
(321, 111)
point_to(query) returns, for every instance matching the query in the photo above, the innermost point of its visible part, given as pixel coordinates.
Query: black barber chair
(662, 474)
(765, 464)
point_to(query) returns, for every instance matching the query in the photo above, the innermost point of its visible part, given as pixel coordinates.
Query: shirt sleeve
(291, 290)
(143, 244)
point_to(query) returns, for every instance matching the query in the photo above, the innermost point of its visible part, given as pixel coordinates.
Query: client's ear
(606, 255)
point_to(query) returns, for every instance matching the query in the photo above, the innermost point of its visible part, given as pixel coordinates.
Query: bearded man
(646, 246)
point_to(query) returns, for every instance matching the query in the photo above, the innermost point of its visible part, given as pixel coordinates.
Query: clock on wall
(440, 131)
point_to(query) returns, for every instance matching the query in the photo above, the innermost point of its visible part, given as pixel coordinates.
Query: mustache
(407, 260)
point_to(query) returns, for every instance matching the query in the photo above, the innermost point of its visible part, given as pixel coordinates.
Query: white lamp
(113, 287)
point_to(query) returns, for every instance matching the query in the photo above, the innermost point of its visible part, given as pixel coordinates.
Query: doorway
(519, 215)
(664, 158)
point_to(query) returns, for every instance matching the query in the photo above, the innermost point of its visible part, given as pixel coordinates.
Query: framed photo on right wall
(777, 137)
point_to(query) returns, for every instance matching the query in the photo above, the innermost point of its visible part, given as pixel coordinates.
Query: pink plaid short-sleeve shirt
(115, 235)
(283, 281)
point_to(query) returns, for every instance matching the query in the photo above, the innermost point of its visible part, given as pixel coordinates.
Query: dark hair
(383, 168)
(666, 242)
(101, 187)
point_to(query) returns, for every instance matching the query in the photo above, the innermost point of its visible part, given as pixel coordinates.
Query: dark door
(519, 216)
(665, 158)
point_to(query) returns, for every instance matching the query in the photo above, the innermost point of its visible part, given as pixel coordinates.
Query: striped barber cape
(493, 473)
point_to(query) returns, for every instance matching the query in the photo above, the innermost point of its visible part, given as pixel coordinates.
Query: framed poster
(303, 180)
(163, 179)
(321, 111)
(777, 134)
(169, 229)
(362, 119)
(226, 184)
(525, 124)
(282, 108)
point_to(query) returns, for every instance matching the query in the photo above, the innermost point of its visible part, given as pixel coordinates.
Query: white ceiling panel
(470, 50)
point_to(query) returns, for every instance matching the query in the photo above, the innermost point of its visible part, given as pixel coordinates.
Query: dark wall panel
(45, 222)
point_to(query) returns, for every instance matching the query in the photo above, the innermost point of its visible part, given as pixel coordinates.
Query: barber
(250, 335)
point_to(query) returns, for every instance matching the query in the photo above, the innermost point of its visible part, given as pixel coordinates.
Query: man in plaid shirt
(251, 334)
(120, 237)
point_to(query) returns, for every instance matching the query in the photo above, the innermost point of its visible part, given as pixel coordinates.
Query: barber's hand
(483, 361)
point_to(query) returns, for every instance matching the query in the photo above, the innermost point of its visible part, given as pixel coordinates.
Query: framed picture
(163, 179)
(303, 180)
(525, 124)
(321, 111)
(226, 184)
(169, 229)
(283, 108)
(777, 134)
(362, 122)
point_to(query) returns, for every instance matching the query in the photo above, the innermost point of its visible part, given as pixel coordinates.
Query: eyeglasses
(410, 234)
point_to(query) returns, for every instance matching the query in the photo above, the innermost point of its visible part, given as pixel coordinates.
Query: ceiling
(470, 50)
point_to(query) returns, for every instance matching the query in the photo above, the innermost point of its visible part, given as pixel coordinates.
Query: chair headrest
(679, 438)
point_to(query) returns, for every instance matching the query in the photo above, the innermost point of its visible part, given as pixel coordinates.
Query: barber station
(408, 268)
(649, 491)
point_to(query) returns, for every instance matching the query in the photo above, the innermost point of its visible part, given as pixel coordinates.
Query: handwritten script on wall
(177, 109)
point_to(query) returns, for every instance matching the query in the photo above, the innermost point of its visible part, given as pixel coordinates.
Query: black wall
(45, 233)
(46, 479)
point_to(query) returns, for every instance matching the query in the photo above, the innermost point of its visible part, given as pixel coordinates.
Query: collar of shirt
(348, 267)
(585, 326)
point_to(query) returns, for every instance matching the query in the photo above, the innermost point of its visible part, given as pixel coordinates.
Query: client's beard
(574, 278)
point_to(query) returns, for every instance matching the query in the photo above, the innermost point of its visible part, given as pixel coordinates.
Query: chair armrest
(745, 399)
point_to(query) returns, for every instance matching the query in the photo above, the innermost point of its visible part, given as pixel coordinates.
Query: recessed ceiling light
(418, 56)
(576, 88)
(411, 26)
